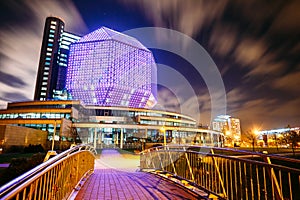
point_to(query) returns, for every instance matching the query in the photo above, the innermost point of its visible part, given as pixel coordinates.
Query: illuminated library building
(100, 89)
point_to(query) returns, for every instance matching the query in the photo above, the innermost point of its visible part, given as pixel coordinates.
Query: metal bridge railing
(228, 173)
(54, 179)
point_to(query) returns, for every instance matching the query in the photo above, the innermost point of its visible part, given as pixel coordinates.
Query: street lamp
(256, 132)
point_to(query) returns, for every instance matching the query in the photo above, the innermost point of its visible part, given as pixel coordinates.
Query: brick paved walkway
(116, 176)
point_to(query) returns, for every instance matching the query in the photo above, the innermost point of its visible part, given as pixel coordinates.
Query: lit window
(53, 27)
(50, 40)
(64, 47)
(53, 22)
(52, 31)
(49, 49)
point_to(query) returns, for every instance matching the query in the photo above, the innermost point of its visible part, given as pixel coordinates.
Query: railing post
(161, 164)
(95, 138)
(53, 136)
(219, 174)
(172, 161)
(189, 164)
(121, 139)
(151, 159)
(272, 175)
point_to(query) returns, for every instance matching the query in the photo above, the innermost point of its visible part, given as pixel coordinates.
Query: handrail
(243, 159)
(231, 150)
(229, 173)
(16, 185)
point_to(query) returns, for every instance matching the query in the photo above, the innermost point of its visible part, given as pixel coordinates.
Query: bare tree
(291, 137)
(294, 139)
(251, 136)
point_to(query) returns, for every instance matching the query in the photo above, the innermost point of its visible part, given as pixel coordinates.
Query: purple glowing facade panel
(104, 33)
(111, 73)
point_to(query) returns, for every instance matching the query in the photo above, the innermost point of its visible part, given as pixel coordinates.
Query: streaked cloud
(255, 40)
(185, 16)
(10, 79)
(245, 44)
(249, 51)
(167, 101)
(21, 43)
(223, 39)
(289, 82)
(3, 104)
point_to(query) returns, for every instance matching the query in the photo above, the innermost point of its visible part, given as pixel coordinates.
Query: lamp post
(162, 129)
(255, 134)
(53, 136)
(52, 152)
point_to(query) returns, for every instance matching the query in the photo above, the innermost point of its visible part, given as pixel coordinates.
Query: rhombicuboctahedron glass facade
(108, 68)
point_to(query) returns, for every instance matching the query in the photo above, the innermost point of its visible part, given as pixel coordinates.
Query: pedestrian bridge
(167, 172)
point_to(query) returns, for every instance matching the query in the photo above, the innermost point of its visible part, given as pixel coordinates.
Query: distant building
(52, 69)
(108, 68)
(229, 126)
(277, 137)
(220, 123)
(235, 127)
(69, 121)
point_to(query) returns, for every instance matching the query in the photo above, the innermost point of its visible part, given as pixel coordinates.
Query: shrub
(19, 166)
(34, 149)
(14, 149)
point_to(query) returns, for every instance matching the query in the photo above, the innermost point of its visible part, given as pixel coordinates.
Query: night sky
(254, 44)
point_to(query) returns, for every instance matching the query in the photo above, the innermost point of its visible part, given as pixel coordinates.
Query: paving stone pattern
(117, 177)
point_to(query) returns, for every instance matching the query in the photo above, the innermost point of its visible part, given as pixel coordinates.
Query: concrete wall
(21, 136)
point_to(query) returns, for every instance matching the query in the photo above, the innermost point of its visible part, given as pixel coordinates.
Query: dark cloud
(289, 82)
(11, 80)
(13, 97)
(287, 19)
(14, 12)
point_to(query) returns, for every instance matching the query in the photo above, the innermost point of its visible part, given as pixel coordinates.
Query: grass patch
(2, 170)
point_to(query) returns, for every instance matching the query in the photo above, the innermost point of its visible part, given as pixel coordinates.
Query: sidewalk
(116, 176)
